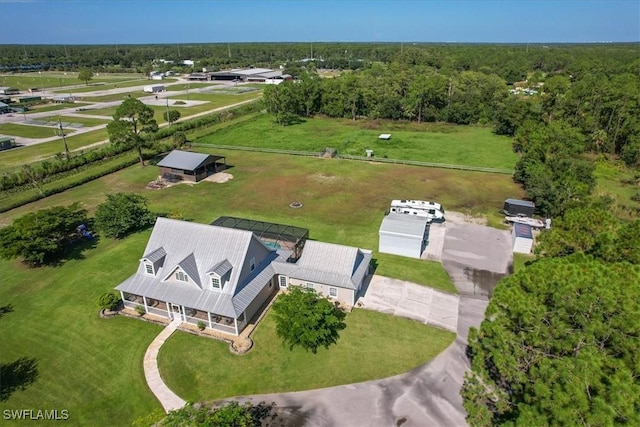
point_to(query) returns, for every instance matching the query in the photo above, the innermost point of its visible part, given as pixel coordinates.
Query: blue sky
(206, 21)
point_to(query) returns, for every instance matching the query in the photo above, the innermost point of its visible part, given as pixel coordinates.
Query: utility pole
(168, 117)
(64, 139)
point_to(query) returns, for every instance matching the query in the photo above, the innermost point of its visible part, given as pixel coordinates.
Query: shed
(188, 166)
(519, 207)
(403, 235)
(385, 136)
(522, 236)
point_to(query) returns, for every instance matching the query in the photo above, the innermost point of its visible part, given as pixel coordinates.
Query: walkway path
(167, 398)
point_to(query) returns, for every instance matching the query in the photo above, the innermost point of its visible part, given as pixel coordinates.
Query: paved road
(430, 394)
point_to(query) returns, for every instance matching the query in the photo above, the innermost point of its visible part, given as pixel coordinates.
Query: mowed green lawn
(428, 142)
(50, 107)
(373, 345)
(30, 131)
(16, 157)
(54, 80)
(89, 366)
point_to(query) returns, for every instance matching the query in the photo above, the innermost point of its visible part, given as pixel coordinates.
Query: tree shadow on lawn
(19, 374)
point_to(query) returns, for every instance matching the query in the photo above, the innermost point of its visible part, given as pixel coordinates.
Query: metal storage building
(188, 166)
(403, 235)
(518, 207)
(522, 236)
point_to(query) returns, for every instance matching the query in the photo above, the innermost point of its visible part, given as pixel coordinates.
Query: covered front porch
(213, 321)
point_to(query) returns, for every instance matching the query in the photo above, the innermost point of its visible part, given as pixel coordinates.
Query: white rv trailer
(430, 214)
(430, 210)
(154, 88)
(416, 204)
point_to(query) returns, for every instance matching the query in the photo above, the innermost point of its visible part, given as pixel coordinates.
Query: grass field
(373, 345)
(440, 143)
(56, 80)
(114, 96)
(86, 121)
(215, 100)
(29, 131)
(50, 107)
(94, 87)
(93, 367)
(343, 200)
(19, 156)
(90, 366)
(618, 182)
(185, 86)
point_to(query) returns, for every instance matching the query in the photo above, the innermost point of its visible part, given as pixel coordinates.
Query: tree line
(511, 61)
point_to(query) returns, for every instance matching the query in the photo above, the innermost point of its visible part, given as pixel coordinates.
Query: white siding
(409, 246)
(345, 296)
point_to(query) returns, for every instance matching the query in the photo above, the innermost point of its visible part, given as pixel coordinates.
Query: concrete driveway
(405, 299)
(475, 257)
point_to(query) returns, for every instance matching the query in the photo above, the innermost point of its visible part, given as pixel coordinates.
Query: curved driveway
(475, 257)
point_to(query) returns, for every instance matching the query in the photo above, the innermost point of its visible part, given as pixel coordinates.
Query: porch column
(122, 298)
(235, 325)
(168, 309)
(209, 317)
(144, 300)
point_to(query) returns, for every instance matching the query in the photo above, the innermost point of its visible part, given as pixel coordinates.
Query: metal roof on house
(186, 160)
(337, 265)
(404, 225)
(197, 249)
(155, 256)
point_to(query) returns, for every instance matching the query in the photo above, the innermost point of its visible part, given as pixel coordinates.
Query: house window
(252, 264)
(148, 268)
(310, 285)
(333, 292)
(215, 283)
(181, 276)
(283, 281)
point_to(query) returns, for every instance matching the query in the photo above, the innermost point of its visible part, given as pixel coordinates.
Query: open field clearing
(30, 131)
(57, 80)
(16, 157)
(429, 142)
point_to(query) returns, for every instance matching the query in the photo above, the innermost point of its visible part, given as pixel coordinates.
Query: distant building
(259, 75)
(188, 166)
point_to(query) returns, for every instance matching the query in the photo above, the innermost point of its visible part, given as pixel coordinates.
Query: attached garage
(403, 235)
(522, 236)
(186, 166)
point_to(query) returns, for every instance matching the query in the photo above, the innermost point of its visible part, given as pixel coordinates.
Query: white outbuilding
(522, 236)
(403, 235)
(154, 88)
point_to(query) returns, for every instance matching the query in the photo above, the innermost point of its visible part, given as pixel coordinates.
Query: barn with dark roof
(187, 166)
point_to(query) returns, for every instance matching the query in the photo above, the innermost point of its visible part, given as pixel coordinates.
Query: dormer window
(181, 276)
(215, 282)
(148, 267)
